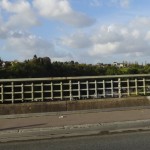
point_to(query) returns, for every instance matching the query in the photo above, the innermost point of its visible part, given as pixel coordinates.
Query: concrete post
(96, 94)
(2, 93)
(87, 89)
(136, 87)
(61, 90)
(12, 92)
(42, 92)
(119, 87)
(51, 90)
(22, 92)
(112, 91)
(79, 93)
(104, 92)
(70, 89)
(128, 87)
(32, 91)
(144, 87)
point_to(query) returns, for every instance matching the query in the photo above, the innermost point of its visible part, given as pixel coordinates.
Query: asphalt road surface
(126, 141)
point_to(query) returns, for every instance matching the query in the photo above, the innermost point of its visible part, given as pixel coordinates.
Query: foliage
(43, 67)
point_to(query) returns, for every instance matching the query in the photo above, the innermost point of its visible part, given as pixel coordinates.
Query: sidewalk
(48, 121)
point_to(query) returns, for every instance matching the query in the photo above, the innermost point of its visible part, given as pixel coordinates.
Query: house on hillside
(119, 65)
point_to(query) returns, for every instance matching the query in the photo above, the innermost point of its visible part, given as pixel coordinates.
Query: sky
(87, 31)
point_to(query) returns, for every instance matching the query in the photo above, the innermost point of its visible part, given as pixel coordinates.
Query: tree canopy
(43, 67)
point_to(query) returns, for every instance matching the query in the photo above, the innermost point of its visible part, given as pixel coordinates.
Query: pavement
(75, 123)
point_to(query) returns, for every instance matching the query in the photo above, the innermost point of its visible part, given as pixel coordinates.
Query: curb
(73, 130)
(74, 105)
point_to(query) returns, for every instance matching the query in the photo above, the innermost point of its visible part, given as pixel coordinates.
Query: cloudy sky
(87, 31)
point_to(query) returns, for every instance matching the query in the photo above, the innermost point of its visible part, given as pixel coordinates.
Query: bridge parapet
(73, 88)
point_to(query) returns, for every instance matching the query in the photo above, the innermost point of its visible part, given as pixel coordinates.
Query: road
(126, 141)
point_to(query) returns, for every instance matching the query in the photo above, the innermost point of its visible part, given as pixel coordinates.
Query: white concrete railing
(71, 88)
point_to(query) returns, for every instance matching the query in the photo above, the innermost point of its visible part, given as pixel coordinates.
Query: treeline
(43, 67)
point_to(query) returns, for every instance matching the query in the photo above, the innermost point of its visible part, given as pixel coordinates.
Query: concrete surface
(77, 123)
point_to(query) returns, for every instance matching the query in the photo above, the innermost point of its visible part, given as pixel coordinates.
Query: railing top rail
(73, 78)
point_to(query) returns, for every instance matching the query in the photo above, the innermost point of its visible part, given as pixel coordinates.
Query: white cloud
(3, 29)
(135, 34)
(52, 8)
(61, 10)
(129, 39)
(140, 22)
(16, 7)
(3, 33)
(26, 45)
(121, 3)
(77, 41)
(147, 37)
(124, 3)
(16, 17)
(20, 14)
(118, 3)
(96, 3)
(24, 13)
(102, 49)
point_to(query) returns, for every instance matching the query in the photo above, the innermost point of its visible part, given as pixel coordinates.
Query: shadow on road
(22, 127)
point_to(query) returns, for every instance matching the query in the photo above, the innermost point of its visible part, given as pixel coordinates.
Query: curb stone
(73, 130)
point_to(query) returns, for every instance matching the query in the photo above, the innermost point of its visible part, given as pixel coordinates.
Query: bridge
(73, 88)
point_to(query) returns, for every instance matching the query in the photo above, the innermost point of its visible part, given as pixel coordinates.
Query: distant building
(119, 65)
(14, 62)
(3, 65)
(6, 64)
(100, 64)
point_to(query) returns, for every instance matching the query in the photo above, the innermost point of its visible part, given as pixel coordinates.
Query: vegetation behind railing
(43, 67)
